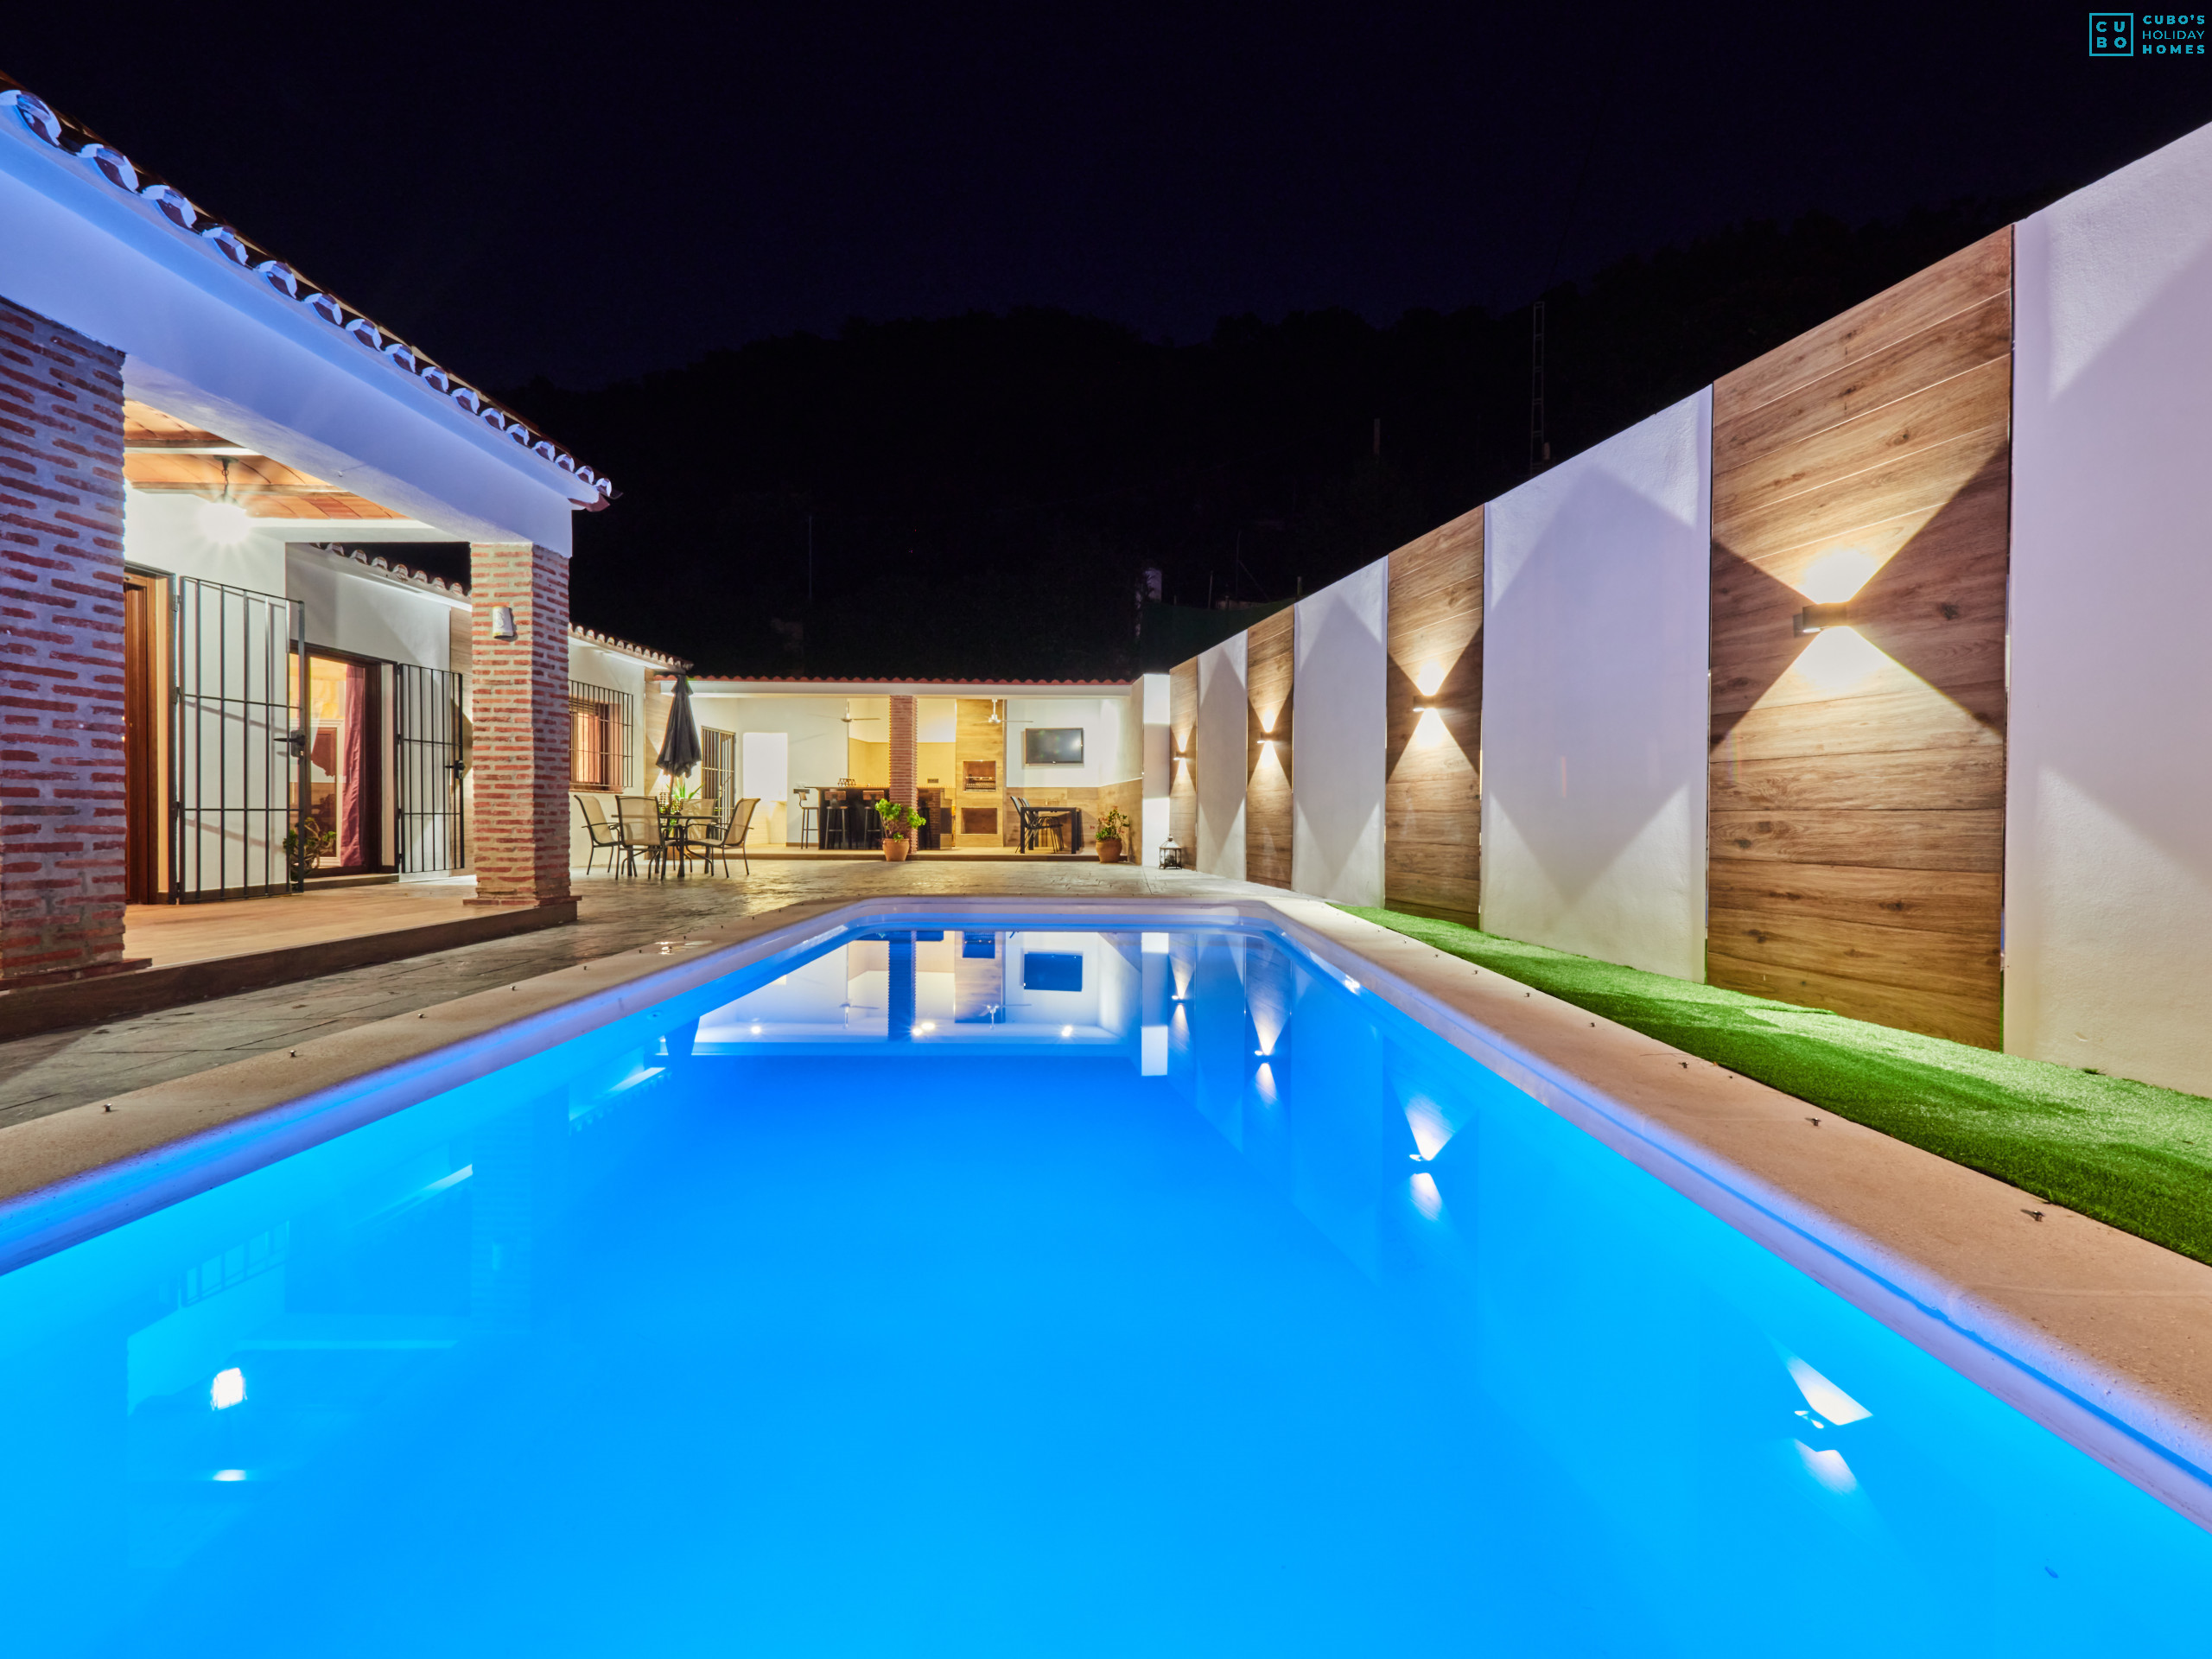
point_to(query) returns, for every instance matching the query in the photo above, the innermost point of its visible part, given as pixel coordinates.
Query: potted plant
(1113, 826)
(305, 845)
(677, 804)
(900, 820)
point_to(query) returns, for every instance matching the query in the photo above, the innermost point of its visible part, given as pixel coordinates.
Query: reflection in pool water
(1012, 1291)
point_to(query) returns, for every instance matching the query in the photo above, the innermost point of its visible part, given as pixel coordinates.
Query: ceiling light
(225, 522)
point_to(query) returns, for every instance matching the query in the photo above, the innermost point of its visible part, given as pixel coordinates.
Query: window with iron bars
(600, 745)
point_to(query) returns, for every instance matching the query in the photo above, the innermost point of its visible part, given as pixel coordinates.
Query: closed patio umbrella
(679, 750)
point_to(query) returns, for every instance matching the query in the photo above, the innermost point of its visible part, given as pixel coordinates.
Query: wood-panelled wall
(1183, 760)
(1857, 774)
(1432, 803)
(1267, 674)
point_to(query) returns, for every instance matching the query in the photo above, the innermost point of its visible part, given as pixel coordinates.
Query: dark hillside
(984, 490)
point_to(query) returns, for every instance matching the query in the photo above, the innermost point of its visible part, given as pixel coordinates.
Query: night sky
(591, 194)
(650, 230)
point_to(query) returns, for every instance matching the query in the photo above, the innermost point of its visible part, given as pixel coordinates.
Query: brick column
(61, 664)
(520, 754)
(905, 759)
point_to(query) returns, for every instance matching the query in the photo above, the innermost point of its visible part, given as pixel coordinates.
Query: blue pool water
(1012, 1293)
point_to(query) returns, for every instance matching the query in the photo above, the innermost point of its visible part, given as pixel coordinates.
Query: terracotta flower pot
(1110, 852)
(893, 849)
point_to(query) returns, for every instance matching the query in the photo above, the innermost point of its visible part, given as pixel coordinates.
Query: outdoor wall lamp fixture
(503, 622)
(1814, 618)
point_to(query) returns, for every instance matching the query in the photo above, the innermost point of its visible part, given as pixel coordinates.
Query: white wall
(2108, 795)
(350, 611)
(1128, 715)
(815, 754)
(1594, 698)
(1339, 729)
(937, 720)
(1103, 720)
(1223, 735)
(1151, 704)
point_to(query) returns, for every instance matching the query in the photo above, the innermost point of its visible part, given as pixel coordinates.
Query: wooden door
(141, 737)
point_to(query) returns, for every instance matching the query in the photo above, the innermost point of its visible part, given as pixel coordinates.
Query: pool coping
(2093, 1332)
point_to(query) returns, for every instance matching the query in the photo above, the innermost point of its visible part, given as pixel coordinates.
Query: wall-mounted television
(1053, 745)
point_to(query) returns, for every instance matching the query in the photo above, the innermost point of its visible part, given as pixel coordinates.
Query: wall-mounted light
(503, 622)
(1814, 618)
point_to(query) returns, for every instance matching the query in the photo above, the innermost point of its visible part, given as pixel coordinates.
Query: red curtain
(353, 837)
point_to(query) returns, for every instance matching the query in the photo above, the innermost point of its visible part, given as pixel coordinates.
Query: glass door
(344, 770)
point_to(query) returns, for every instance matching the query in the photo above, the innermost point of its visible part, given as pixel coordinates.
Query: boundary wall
(1962, 518)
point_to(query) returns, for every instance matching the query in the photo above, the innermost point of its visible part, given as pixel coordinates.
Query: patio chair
(637, 820)
(1032, 821)
(721, 840)
(604, 836)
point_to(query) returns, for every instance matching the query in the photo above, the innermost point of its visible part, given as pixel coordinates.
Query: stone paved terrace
(56, 1070)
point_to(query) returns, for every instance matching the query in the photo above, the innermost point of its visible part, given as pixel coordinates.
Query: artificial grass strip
(2131, 1155)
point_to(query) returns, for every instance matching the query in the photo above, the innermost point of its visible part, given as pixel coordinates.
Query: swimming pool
(1002, 1288)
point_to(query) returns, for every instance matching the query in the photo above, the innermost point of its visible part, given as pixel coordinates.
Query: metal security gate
(237, 749)
(428, 731)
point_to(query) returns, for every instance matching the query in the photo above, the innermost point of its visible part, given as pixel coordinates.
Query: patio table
(675, 829)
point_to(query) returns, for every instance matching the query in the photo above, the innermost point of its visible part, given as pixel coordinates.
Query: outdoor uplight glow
(1823, 1395)
(225, 522)
(1429, 1130)
(227, 1389)
(1838, 658)
(1828, 1468)
(1426, 1198)
(1834, 577)
(1431, 678)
